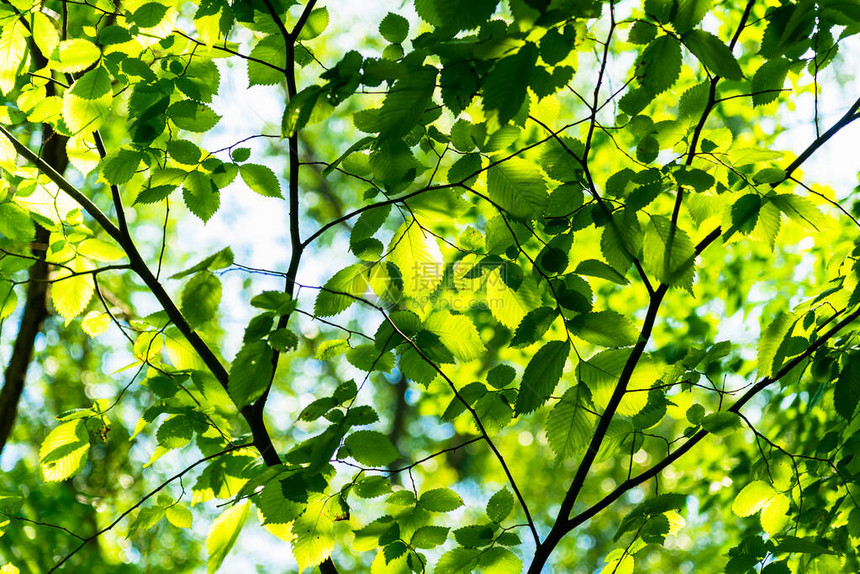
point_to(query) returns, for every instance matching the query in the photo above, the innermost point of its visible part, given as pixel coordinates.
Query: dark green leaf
(394, 28)
(541, 376)
(500, 505)
(120, 166)
(506, 85)
(371, 448)
(250, 373)
(715, 55)
(846, 394)
(660, 64)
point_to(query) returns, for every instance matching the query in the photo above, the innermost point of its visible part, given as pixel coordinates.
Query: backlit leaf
(224, 532)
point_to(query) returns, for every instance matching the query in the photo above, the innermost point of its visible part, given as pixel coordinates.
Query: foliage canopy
(579, 308)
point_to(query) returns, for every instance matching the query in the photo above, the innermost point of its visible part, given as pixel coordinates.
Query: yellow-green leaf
(13, 46)
(774, 516)
(7, 154)
(314, 532)
(457, 333)
(224, 532)
(100, 250)
(45, 33)
(179, 516)
(73, 288)
(82, 153)
(95, 323)
(64, 450)
(508, 305)
(518, 187)
(416, 254)
(752, 498)
(85, 114)
(623, 565)
(75, 55)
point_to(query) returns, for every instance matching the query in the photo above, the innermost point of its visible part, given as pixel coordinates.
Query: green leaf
(659, 65)
(64, 450)
(15, 223)
(185, 152)
(113, 34)
(200, 298)
(500, 505)
(457, 333)
(474, 536)
(722, 423)
(201, 195)
(541, 376)
(92, 85)
(689, 13)
(175, 432)
(770, 341)
(120, 166)
(695, 178)
(220, 260)
(745, 213)
(506, 84)
(192, 116)
(641, 32)
(605, 328)
(499, 561)
(597, 268)
(501, 376)
(316, 24)
(260, 179)
(569, 426)
(669, 253)
(250, 373)
(713, 54)
(768, 80)
(846, 394)
(533, 326)
(405, 103)
(224, 532)
(458, 561)
(341, 290)
(440, 500)
(449, 14)
(655, 506)
(300, 110)
(269, 49)
(371, 448)
(799, 209)
(373, 487)
(429, 536)
(394, 28)
(149, 15)
(369, 359)
(800, 545)
(518, 187)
